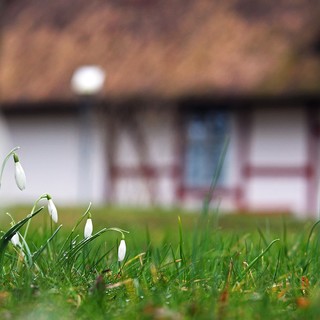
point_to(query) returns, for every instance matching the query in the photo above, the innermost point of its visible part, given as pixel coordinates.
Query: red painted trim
(312, 151)
(148, 171)
(181, 120)
(238, 197)
(305, 171)
(180, 137)
(244, 135)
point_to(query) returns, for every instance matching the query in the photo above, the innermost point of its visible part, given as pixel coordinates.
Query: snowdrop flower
(19, 175)
(15, 240)
(52, 209)
(122, 250)
(88, 227)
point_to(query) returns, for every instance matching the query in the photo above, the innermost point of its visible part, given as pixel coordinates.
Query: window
(205, 137)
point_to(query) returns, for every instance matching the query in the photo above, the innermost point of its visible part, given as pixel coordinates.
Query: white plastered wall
(317, 169)
(49, 154)
(5, 143)
(278, 139)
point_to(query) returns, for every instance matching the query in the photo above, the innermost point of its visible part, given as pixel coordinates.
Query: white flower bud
(52, 210)
(122, 250)
(88, 228)
(20, 176)
(16, 240)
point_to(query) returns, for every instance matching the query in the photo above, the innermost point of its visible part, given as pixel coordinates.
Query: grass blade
(38, 252)
(5, 239)
(256, 259)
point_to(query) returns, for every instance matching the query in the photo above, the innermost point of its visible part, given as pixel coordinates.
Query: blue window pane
(206, 133)
(196, 130)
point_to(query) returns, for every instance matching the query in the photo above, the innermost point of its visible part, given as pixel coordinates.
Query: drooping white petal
(16, 240)
(20, 176)
(122, 250)
(52, 211)
(88, 228)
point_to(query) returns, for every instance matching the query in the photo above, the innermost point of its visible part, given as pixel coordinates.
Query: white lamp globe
(87, 80)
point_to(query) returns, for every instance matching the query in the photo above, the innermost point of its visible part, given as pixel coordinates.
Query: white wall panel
(132, 191)
(158, 148)
(277, 193)
(50, 156)
(279, 137)
(160, 130)
(126, 153)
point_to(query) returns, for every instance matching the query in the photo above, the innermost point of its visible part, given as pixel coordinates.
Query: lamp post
(86, 82)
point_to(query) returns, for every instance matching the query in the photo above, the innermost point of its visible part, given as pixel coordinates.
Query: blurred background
(133, 102)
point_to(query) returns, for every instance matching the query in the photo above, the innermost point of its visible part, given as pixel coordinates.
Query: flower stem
(32, 211)
(5, 162)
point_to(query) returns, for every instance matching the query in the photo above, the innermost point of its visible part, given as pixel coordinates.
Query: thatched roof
(165, 48)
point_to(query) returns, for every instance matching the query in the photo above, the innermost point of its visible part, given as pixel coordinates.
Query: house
(181, 77)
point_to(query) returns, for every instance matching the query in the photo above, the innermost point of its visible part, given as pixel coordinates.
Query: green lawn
(196, 267)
